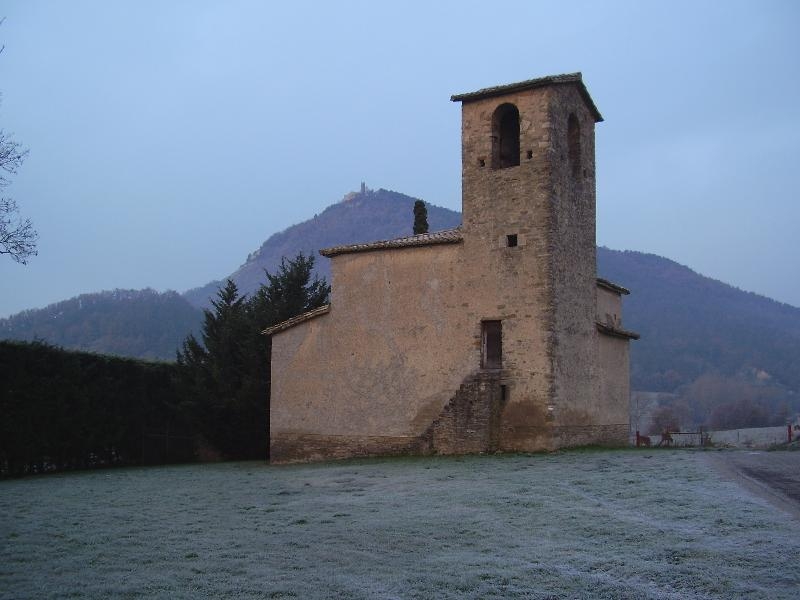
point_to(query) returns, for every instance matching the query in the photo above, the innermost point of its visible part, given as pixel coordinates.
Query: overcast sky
(170, 139)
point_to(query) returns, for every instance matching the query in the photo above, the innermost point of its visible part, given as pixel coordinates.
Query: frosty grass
(582, 524)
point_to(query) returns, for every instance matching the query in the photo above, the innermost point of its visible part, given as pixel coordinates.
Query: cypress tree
(420, 217)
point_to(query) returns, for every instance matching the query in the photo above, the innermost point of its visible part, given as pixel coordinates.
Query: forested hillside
(691, 326)
(136, 323)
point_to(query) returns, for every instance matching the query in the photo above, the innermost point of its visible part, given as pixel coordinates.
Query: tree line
(718, 402)
(693, 326)
(74, 410)
(66, 410)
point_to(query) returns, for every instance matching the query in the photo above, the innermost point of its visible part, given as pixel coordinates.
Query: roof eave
(301, 318)
(617, 332)
(447, 236)
(501, 90)
(612, 287)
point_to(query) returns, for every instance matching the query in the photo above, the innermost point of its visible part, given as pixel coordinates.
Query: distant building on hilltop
(496, 335)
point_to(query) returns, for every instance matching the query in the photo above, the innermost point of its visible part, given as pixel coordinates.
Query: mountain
(691, 324)
(137, 323)
(358, 217)
(149, 325)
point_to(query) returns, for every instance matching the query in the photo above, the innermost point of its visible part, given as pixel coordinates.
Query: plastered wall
(385, 360)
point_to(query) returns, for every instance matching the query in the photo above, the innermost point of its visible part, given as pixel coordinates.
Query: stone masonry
(496, 336)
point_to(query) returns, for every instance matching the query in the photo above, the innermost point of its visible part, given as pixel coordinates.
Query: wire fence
(755, 437)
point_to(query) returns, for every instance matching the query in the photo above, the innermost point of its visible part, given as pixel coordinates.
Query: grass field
(581, 524)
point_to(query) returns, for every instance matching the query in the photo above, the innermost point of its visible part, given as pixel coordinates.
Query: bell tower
(528, 202)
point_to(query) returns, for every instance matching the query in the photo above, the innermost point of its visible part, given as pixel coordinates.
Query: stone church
(494, 336)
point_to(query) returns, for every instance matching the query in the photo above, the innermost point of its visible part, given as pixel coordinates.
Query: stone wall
(545, 287)
(470, 423)
(573, 262)
(513, 283)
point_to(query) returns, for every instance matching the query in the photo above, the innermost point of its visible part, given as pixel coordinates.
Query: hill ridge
(142, 324)
(358, 217)
(690, 324)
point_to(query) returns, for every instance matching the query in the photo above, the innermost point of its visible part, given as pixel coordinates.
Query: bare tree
(17, 235)
(11, 157)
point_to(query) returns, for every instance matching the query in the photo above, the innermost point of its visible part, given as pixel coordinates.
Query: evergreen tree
(66, 410)
(420, 217)
(289, 292)
(216, 372)
(228, 374)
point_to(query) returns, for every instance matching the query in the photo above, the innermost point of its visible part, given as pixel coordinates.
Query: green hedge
(63, 410)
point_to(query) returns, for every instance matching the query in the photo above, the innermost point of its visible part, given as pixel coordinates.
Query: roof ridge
(499, 90)
(611, 286)
(320, 310)
(443, 236)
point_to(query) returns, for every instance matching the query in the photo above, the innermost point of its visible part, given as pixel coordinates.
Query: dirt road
(775, 476)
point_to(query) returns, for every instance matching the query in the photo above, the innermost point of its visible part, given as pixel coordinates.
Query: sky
(168, 140)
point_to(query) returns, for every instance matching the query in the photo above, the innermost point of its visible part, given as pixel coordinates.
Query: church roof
(297, 320)
(619, 332)
(500, 90)
(445, 236)
(612, 287)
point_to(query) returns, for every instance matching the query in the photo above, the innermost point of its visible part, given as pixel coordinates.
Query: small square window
(511, 240)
